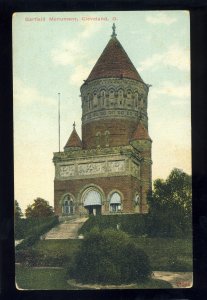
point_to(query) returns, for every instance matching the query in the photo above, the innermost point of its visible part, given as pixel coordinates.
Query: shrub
(37, 232)
(109, 257)
(28, 257)
(133, 224)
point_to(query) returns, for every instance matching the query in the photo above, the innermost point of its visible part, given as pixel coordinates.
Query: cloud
(161, 18)
(172, 90)
(175, 56)
(69, 53)
(24, 95)
(74, 53)
(89, 29)
(80, 73)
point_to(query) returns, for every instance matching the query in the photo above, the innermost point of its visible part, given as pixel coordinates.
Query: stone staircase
(66, 230)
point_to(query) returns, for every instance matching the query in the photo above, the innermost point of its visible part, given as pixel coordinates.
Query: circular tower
(114, 99)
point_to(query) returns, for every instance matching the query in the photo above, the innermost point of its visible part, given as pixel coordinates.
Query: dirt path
(177, 279)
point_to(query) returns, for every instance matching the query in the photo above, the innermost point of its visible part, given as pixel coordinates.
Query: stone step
(67, 230)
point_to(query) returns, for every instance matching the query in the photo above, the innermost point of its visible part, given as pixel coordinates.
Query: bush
(109, 257)
(133, 224)
(164, 223)
(38, 231)
(33, 257)
(26, 227)
(28, 257)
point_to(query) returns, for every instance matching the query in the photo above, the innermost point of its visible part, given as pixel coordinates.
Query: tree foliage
(171, 203)
(110, 257)
(17, 211)
(39, 208)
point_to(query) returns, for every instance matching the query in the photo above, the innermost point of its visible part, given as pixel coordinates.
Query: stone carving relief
(116, 166)
(66, 171)
(91, 168)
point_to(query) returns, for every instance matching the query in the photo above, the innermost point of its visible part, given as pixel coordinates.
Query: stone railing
(73, 154)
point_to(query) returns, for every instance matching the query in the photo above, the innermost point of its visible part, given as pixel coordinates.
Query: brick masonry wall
(120, 132)
(126, 185)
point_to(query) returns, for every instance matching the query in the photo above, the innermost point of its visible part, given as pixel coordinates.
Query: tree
(40, 208)
(171, 202)
(17, 211)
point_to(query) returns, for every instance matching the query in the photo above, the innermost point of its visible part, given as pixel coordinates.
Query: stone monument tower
(109, 170)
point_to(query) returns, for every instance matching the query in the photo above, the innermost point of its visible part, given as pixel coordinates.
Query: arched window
(120, 96)
(115, 202)
(107, 133)
(136, 99)
(141, 100)
(111, 94)
(137, 200)
(95, 99)
(98, 139)
(103, 94)
(68, 206)
(129, 94)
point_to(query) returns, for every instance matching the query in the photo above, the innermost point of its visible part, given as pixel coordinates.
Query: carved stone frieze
(116, 166)
(66, 171)
(104, 167)
(91, 168)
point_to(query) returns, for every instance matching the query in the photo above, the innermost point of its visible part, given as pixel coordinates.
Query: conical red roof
(141, 133)
(114, 62)
(74, 140)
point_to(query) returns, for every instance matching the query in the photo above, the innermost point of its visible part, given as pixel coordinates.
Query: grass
(41, 279)
(64, 247)
(164, 254)
(167, 254)
(56, 279)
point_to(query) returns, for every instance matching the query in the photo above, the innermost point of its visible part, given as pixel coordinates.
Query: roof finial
(74, 125)
(114, 29)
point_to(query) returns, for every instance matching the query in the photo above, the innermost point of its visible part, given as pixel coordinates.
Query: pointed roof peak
(114, 62)
(74, 140)
(141, 133)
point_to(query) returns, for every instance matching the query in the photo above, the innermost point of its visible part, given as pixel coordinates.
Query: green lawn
(41, 279)
(63, 247)
(56, 279)
(167, 254)
(164, 254)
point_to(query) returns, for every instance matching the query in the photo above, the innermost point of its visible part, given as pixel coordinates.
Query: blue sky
(56, 56)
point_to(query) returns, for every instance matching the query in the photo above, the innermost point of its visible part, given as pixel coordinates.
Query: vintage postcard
(102, 150)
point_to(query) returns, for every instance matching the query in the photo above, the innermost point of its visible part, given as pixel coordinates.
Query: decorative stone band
(114, 98)
(106, 84)
(90, 168)
(115, 114)
(92, 153)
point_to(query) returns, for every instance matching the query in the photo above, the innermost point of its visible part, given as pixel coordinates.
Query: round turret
(114, 99)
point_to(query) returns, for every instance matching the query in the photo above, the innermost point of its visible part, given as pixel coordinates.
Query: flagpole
(59, 119)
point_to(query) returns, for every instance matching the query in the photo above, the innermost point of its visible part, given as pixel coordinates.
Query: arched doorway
(67, 205)
(115, 203)
(92, 201)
